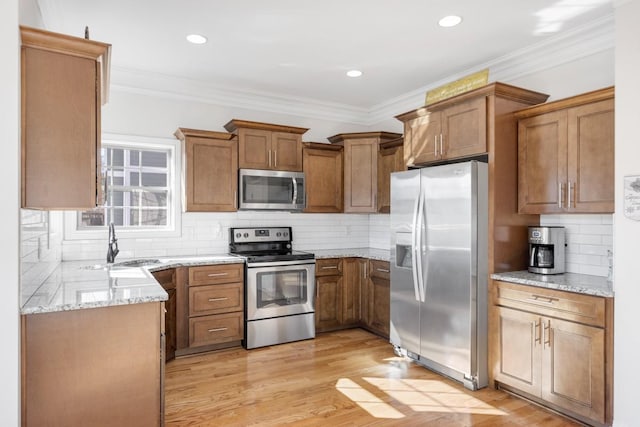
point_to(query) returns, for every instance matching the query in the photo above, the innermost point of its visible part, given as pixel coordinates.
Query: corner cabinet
(209, 170)
(268, 146)
(361, 168)
(390, 159)
(555, 348)
(64, 84)
(323, 171)
(167, 279)
(566, 155)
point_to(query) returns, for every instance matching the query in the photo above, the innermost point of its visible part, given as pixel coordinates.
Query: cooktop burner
(268, 244)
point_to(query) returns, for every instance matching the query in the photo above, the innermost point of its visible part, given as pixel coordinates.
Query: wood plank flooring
(344, 378)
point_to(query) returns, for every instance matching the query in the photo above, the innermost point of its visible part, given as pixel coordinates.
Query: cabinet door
(328, 303)
(167, 279)
(422, 138)
(286, 151)
(518, 349)
(464, 129)
(360, 175)
(573, 367)
(389, 160)
(323, 175)
(542, 163)
(355, 273)
(211, 173)
(60, 130)
(379, 297)
(591, 157)
(254, 149)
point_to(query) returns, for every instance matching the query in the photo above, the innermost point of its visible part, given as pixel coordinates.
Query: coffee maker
(546, 250)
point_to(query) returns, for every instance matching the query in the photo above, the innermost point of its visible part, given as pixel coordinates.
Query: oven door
(275, 290)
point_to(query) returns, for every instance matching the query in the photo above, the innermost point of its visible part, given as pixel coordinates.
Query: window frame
(72, 231)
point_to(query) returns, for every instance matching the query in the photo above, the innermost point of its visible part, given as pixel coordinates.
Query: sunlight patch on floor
(367, 400)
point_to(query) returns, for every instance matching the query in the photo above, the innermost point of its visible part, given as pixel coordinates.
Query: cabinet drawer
(380, 269)
(215, 299)
(215, 329)
(329, 267)
(585, 309)
(213, 274)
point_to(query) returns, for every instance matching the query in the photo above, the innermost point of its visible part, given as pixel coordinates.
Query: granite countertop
(372, 253)
(571, 282)
(88, 284)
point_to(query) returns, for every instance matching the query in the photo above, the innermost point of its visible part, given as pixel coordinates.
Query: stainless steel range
(279, 286)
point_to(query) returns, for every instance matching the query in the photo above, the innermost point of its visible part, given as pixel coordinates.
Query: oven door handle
(294, 182)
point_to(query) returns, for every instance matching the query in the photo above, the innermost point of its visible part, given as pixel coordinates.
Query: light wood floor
(345, 378)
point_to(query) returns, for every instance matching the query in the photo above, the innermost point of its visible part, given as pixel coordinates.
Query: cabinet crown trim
(573, 101)
(234, 124)
(501, 90)
(321, 146)
(182, 133)
(382, 135)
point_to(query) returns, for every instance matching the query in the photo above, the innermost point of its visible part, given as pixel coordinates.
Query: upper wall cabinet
(64, 84)
(566, 155)
(209, 170)
(323, 167)
(390, 159)
(456, 127)
(361, 168)
(267, 146)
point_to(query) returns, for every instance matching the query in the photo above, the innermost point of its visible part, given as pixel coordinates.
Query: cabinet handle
(560, 195)
(544, 300)
(331, 267)
(269, 158)
(570, 197)
(435, 145)
(217, 274)
(441, 149)
(538, 329)
(218, 299)
(217, 329)
(547, 333)
(382, 270)
(275, 158)
(235, 200)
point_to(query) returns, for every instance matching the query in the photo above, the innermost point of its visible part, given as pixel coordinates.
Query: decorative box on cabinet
(361, 168)
(323, 166)
(267, 146)
(566, 155)
(209, 170)
(64, 84)
(553, 347)
(211, 316)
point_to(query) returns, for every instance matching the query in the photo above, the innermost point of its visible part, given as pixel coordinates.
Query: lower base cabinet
(94, 367)
(554, 347)
(167, 279)
(378, 302)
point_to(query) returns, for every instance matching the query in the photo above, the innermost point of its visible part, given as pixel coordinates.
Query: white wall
(627, 232)
(9, 220)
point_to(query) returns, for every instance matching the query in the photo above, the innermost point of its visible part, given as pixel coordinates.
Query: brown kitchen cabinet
(95, 366)
(64, 84)
(323, 170)
(209, 170)
(566, 155)
(167, 279)
(377, 301)
(390, 159)
(355, 275)
(210, 308)
(329, 294)
(361, 168)
(267, 146)
(553, 347)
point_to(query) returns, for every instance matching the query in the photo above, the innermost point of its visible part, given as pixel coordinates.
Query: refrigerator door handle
(414, 249)
(419, 237)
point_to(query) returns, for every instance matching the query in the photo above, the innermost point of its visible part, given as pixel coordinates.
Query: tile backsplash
(588, 238)
(40, 244)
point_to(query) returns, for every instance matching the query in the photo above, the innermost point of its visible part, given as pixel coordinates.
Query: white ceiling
(302, 48)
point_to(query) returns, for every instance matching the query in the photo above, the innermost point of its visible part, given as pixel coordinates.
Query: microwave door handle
(295, 190)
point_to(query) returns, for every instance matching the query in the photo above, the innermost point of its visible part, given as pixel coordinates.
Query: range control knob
(238, 235)
(246, 235)
(286, 233)
(278, 234)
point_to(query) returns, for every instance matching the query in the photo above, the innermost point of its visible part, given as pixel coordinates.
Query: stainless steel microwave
(271, 190)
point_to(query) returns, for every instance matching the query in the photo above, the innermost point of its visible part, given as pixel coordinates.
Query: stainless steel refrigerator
(439, 221)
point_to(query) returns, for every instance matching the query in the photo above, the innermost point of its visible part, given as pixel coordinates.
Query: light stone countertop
(571, 282)
(79, 285)
(372, 253)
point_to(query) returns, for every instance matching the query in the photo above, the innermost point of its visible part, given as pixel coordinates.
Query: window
(139, 184)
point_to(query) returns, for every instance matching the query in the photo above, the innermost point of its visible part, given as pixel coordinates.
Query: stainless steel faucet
(113, 245)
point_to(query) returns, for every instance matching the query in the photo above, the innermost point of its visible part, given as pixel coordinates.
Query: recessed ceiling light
(450, 21)
(354, 73)
(197, 39)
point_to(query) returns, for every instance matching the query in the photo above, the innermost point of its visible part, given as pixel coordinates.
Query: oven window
(281, 288)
